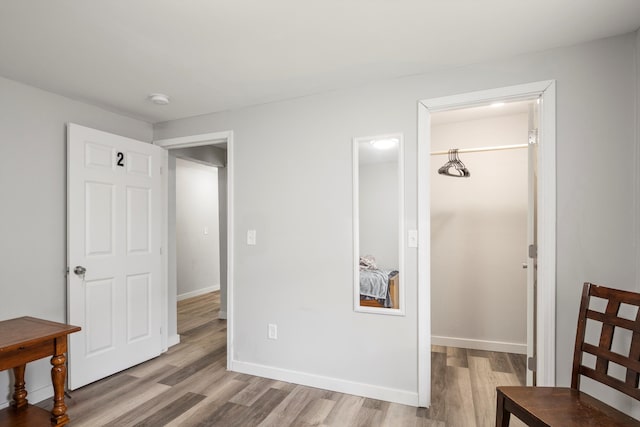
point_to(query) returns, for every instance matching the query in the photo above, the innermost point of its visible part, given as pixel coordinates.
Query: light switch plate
(251, 237)
(273, 331)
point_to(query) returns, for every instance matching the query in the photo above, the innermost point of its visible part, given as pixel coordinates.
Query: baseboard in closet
(500, 346)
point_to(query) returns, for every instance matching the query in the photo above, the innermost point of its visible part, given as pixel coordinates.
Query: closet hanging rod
(474, 150)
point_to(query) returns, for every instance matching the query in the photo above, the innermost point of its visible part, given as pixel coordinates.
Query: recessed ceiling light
(159, 98)
(384, 144)
(497, 104)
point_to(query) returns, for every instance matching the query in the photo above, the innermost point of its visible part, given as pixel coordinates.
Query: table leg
(59, 415)
(20, 392)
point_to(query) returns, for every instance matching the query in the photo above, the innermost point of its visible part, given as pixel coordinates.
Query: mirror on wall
(378, 190)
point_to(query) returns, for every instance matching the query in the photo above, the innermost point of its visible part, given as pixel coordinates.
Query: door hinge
(533, 136)
(532, 363)
(160, 250)
(533, 251)
(160, 170)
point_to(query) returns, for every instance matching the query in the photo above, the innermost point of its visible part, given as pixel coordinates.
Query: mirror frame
(356, 227)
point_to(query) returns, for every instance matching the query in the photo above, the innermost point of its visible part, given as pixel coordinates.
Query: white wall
(222, 228)
(378, 213)
(33, 206)
(636, 404)
(293, 169)
(479, 236)
(172, 264)
(637, 169)
(197, 236)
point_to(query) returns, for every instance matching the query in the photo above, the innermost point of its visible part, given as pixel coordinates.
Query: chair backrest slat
(620, 359)
(631, 325)
(610, 381)
(611, 321)
(606, 336)
(580, 333)
(634, 354)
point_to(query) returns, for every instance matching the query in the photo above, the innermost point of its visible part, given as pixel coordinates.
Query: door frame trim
(197, 141)
(546, 290)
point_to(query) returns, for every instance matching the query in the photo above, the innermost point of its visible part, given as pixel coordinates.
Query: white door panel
(114, 232)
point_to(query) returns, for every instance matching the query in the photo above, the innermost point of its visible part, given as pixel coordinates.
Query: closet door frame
(546, 181)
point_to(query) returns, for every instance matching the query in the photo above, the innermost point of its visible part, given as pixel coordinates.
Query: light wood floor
(189, 386)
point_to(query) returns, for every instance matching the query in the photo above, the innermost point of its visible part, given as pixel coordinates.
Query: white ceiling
(215, 55)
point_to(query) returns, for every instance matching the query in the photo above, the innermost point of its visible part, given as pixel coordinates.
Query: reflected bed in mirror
(378, 287)
(378, 224)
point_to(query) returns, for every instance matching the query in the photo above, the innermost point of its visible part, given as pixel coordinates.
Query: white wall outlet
(206, 231)
(412, 240)
(273, 331)
(251, 237)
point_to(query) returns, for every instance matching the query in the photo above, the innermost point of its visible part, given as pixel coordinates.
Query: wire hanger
(460, 170)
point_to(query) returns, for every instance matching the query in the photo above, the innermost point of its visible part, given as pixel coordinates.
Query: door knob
(80, 270)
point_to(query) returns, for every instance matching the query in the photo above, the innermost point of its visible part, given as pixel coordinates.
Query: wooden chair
(563, 406)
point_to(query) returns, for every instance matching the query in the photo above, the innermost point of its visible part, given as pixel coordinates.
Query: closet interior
(480, 218)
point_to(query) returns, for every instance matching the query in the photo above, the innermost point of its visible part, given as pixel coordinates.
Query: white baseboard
(35, 396)
(327, 383)
(173, 340)
(198, 292)
(222, 314)
(504, 347)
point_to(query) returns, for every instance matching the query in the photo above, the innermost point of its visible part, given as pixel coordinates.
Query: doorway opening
(198, 202)
(540, 233)
(481, 215)
(214, 149)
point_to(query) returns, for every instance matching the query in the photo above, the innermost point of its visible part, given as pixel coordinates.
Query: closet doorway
(480, 216)
(487, 227)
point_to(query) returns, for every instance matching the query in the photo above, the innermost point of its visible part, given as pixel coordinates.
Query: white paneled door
(113, 243)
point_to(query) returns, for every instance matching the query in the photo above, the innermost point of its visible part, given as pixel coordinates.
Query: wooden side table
(24, 340)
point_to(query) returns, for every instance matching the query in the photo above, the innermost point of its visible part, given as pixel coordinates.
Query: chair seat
(561, 407)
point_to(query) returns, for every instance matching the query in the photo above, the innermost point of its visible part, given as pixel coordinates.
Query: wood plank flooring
(189, 386)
